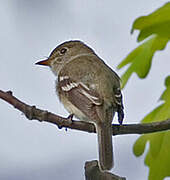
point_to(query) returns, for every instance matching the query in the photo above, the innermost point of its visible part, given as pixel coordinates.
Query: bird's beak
(44, 62)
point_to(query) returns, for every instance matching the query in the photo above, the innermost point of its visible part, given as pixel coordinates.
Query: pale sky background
(30, 29)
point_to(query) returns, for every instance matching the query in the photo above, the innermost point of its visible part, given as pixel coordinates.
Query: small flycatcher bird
(88, 89)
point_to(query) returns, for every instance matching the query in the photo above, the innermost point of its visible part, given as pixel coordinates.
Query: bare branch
(33, 113)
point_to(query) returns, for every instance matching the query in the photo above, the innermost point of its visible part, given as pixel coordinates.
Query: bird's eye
(63, 50)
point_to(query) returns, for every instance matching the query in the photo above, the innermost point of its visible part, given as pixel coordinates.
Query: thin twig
(33, 113)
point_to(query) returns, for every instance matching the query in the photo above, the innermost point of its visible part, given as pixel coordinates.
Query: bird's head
(64, 53)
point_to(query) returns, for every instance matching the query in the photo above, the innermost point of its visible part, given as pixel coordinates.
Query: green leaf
(162, 29)
(159, 163)
(158, 157)
(165, 96)
(155, 27)
(157, 22)
(141, 58)
(140, 144)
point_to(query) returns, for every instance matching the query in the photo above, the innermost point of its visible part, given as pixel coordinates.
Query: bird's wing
(81, 96)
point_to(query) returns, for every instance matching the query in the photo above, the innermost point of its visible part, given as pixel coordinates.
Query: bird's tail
(104, 132)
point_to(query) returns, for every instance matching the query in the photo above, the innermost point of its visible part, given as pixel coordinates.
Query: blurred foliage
(156, 28)
(158, 157)
(154, 31)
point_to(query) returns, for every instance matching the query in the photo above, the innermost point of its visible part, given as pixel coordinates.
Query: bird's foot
(70, 118)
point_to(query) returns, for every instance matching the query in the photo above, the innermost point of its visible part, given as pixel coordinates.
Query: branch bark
(33, 113)
(93, 172)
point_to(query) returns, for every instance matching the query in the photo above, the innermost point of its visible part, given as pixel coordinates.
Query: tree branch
(93, 172)
(33, 113)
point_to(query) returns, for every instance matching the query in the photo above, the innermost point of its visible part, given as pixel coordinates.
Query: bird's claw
(70, 118)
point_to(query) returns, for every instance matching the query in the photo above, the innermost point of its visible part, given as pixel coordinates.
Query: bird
(89, 89)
